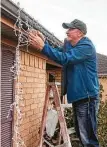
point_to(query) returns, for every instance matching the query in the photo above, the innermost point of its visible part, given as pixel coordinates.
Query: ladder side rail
(61, 118)
(43, 123)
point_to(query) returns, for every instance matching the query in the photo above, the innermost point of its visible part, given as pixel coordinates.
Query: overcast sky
(52, 13)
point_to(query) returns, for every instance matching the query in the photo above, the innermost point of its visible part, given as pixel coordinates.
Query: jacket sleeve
(76, 55)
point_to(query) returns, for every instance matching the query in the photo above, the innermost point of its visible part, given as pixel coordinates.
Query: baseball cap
(76, 24)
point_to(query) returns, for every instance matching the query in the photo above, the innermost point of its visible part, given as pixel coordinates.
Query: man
(82, 83)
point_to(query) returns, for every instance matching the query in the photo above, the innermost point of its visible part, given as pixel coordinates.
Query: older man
(82, 84)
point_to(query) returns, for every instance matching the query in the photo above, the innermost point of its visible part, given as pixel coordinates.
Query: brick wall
(33, 79)
(103, 81)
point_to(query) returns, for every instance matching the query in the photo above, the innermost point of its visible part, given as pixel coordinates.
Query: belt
(85, 100)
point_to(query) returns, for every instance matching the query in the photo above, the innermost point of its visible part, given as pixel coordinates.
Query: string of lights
(22, 36)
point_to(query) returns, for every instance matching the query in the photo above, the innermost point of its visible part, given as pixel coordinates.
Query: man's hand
(36, 39)
(36, 32)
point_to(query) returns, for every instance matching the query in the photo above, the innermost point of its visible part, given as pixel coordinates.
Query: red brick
(28, 137)
(23, 67)
(29, 113)
(25, 126)
(37, 70)
(22, 103)
(40, 105)
(22, 79)
(31, 69)
(38, 85)
(33, 106)
(26, 59)
(35, 144)
(22, 57)
(37, 90)
(37, 100)
(33, 141)
(35, 75)
(42, 71)
(36, 61)
(34, 85)
(32, 60)
(41, 95)
(24, 91)
(36, 80)
(42, 80)
(41, 75)
(36, 111)
(25, 109)
(40, 63)
(42, 89)
(25, 85)
(27, 74)
(30, 79)
(30, 101)
(28, 143)
(38, 136)
(33, 118)
(27, 96)
(34, 133)
(24, 133)
(44, 64)
(25, 120)
(33, 128)
(29, 90)
(41, 110)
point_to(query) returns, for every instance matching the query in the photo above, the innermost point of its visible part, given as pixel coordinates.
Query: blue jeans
(86, 121)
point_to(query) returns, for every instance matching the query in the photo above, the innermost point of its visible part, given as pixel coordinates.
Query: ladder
(61, 118)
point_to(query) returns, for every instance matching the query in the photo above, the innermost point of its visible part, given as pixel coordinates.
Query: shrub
(102, 121)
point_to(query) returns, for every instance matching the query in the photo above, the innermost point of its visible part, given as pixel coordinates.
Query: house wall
(33, 79)
(103, 81)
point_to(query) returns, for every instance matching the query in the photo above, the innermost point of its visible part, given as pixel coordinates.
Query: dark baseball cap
(76, 24)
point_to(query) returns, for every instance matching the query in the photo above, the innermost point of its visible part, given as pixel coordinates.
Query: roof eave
(102, 75)
(10, 9)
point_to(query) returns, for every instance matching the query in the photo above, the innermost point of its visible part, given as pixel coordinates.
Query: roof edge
(102, 75)
(10, 9)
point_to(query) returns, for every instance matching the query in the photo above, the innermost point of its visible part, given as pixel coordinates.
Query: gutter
(102, 75)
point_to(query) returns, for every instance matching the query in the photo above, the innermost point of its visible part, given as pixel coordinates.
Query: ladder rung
(62, 145)
(66, 105)
(48, 143)
(71, 130)
(54, 83)
(75, 139)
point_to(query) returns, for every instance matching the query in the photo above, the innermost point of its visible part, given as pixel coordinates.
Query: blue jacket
(81, 68)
